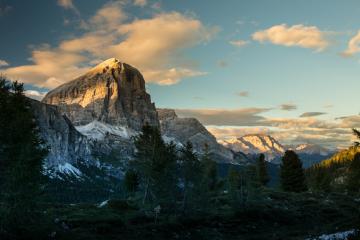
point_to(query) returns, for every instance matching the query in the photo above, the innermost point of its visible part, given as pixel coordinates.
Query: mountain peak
(255, 144)
(111, 63)
(112, 92)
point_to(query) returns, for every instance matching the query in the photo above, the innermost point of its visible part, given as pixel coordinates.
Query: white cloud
(3, 63)
(353, 46)
(239, 43)
(154, 45)
(68, 4)
(140, 3)
(35, 94)
(296, 35)
(49, 69)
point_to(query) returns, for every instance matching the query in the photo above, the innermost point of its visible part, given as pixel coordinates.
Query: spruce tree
(235, 185)
(21, 157)
(131, 181)
(292, 174)
(191, 172)
(353, 182)
(210, 172)
(262, 173)
(155, 162)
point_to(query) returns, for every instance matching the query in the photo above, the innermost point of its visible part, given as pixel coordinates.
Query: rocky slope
(67, 147)
(256, 144)
(181, 130)
(112, 92)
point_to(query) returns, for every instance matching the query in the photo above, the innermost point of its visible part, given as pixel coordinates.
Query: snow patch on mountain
(62, 169)
(99, 130)
(334, 236)
(256, 144)
(169, 140)
(312, 149)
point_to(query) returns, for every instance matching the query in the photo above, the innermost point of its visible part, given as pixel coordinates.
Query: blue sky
(262, 64)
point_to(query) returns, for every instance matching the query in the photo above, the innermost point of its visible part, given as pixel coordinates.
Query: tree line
(182, 180)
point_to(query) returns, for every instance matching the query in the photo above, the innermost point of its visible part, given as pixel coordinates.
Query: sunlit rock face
(255, 144)
(112, 92)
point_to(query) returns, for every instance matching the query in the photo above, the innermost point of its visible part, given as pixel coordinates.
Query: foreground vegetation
(277, 216)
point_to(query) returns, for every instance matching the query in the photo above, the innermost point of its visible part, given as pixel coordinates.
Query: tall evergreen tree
(131, 181)
(21, 158)
(353, 182)
(262, 173)
(210, 172)
(155, 162)
(235, 185)
(292, 174)
(191, 172)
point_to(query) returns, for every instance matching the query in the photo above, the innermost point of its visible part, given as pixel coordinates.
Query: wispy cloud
(225, 117)
(288, 107)
(4, 9)
(140, 3)
(68, 4)
(353, 46)
(312, 114)
(296, 35)
(3, 63)
(243, 94)
(239, 43)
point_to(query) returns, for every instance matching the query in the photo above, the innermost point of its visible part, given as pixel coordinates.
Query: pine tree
(155, 162)
(235, 185)
(210, 172)
(292, 174)
(262, 173)
(21, 158)
(353, 182)
(191, 172)
(131, 181)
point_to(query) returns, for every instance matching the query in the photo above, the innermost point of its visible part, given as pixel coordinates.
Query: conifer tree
(353, 182)
(155, 162)
(21, 158)
(292, 174)
(262, 173)
(235, 185)
(210, 173)
(191, 172)
(131, 181)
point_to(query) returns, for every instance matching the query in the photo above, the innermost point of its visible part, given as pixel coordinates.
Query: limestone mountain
(181, 130)
(255, 144)
(112, 92)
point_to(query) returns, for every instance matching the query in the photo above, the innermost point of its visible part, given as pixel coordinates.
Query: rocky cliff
(182, 130)
(67, 147)
(112, 92)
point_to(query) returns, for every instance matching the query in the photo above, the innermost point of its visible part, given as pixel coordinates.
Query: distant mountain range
(254, 144)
